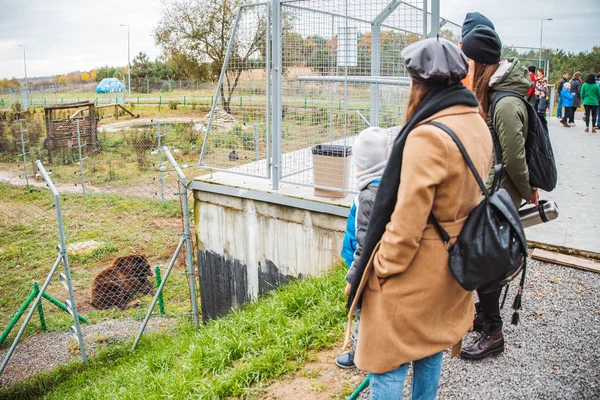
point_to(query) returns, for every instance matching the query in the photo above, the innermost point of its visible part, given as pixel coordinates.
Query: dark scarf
(436, 100)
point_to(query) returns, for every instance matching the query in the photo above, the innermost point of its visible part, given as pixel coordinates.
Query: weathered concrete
(247, 247)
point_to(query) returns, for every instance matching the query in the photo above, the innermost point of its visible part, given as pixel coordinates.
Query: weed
(173, 105)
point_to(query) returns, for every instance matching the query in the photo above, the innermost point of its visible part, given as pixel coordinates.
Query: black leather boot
(488, 343)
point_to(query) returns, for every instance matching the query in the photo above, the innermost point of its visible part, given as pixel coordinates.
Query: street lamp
(128, 58)
(24, 63)
(541, 38)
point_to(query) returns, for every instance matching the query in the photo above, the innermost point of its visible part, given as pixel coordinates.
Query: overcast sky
(61, 36)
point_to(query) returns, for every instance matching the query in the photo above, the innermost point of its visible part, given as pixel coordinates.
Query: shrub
(173, 105)
(193, 104)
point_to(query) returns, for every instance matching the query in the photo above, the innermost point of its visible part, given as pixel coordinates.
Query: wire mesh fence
(122, 216)
(308, 73)
(186, 93)
(344, 72)
(240, 120)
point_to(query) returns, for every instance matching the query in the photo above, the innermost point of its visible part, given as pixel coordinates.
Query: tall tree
(198, 31)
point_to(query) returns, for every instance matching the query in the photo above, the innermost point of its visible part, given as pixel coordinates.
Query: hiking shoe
(345, 361)
(587, 129)
(488, 343)
(565, 123)
(593, 130)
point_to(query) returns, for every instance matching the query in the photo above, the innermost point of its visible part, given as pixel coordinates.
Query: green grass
(268, 338)
(124, 224)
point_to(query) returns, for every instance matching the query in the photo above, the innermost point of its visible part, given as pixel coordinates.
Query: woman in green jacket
(509, 124)
(590, 96)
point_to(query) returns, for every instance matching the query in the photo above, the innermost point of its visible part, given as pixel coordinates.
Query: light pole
(541, 41)
(24, 63)
(128, 64)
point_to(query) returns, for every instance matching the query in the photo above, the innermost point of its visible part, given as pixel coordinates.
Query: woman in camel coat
(412, 306)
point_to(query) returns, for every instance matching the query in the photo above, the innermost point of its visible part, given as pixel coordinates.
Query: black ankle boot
(489, 342)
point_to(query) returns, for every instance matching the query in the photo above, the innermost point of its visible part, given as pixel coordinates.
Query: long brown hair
(481, 85)
(418, 90)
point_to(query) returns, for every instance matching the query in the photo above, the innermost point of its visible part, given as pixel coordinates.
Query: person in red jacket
(530, 97)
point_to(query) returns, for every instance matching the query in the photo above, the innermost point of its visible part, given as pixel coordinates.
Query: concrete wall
(247, 247)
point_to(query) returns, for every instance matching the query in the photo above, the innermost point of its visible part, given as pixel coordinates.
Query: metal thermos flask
(544, 212)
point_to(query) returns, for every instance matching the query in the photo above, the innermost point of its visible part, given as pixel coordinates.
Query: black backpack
(491, 249)
(538, 149)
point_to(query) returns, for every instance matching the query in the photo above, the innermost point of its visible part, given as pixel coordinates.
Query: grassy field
(225, 358)
(123, 224)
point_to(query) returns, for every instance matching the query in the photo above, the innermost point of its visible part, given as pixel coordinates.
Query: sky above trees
(63, 36)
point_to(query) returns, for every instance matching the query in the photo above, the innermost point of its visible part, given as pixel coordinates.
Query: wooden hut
(61, 129)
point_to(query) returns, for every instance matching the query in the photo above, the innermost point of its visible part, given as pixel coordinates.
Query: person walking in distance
(598, 112)
(413, 308)
(561, 84)
(510, 124)
(541, 84)
(590, 96)
(576, 89)
(567, 99)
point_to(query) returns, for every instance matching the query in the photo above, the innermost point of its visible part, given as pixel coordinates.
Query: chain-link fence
(122, 214)
(144, 91)
(539, 58)
(304, 74)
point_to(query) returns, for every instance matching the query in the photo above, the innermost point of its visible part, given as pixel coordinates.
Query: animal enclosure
(303, 73)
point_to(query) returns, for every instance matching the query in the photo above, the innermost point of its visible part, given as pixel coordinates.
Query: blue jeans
(559, 112)
(425, 381)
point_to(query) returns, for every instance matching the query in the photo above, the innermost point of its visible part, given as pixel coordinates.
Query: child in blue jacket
(567, 101)
(369, 155)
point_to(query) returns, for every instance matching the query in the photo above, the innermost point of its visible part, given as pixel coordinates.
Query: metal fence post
(161, 300)
(277, 107)
(187, 235)
(268, 93)
(186, 239)
(159, 135)
(40, 309)
(79, 146)
(24, 153)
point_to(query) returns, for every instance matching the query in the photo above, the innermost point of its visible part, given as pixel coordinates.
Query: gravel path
(44, 352)
(554, 352)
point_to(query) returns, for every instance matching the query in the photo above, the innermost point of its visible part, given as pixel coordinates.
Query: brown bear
(115, 286)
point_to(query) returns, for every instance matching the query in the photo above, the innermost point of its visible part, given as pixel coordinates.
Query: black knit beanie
(472, 20)
(482, 45)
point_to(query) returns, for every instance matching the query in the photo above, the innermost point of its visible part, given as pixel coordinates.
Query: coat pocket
(373, 283)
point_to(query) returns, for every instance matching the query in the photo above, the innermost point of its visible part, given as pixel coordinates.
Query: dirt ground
(318, 379)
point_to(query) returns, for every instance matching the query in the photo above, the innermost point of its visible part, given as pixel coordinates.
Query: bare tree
(198, 31)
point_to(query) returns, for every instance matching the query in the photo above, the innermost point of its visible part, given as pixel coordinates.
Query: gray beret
(435, 62)
(472, 20)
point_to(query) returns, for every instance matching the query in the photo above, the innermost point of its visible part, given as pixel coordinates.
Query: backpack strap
(445, 236)
(465, 155)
